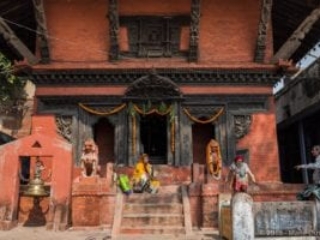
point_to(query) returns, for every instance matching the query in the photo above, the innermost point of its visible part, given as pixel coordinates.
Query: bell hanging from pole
(36, 189)
(36, 186)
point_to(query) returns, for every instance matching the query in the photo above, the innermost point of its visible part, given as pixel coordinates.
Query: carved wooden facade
(76, 123)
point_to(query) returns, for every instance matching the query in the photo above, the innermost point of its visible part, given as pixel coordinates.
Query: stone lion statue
(89, 160)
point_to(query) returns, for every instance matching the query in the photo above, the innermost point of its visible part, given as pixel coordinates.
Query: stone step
(136, 220)
(151, 237)
(149, 208)
(145, 198)
(154, 230)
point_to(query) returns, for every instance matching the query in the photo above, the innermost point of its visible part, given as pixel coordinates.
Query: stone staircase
(165, 215)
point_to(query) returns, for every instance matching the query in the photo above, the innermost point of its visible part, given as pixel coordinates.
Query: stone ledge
(8, 225)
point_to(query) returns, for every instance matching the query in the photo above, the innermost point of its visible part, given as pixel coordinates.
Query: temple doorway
(201, 135)
(104, 138)
(153, 134)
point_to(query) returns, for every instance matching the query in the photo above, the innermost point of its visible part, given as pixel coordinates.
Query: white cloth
(241, 173)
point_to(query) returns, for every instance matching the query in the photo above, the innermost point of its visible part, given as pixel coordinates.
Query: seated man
(143, 179)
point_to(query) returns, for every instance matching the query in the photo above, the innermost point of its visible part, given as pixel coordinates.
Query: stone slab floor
(40, 233)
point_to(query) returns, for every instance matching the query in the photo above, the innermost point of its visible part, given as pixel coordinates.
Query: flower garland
(113, 111)
(214, 165)
(210, 120)
(162, 110)
(132, 110)
(153, 110)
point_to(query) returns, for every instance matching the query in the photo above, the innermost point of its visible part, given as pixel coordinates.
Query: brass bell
(36, 189)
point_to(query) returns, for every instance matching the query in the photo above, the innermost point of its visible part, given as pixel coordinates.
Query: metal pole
(303, 155)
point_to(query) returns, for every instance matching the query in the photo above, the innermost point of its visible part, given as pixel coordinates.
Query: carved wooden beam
(295, 40)
(42, 32)
(194, 31)
(16, 43)
(259, 54)
(113, 30)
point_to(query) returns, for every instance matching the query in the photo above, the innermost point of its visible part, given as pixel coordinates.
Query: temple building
(156, 77)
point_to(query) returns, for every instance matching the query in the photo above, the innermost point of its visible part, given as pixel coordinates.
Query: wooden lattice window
(150, 36)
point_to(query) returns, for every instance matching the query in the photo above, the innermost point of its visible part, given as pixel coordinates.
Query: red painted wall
(45, 143)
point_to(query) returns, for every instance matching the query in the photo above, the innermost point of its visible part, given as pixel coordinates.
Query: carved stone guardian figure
(89, 159)
(213, 159)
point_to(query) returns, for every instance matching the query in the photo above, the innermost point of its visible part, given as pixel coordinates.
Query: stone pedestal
(93, 203)
(242, 217)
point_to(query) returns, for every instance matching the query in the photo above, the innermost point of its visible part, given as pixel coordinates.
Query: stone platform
(39, 233)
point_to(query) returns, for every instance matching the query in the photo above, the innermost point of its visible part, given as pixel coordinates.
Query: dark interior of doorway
(153, 132)
(290, 155)
(104, 138)
(201, 134)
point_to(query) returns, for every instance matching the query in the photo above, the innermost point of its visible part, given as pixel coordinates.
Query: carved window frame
(164, 39)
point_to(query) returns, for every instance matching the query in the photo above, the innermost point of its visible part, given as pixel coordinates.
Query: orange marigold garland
(214, 159)
(113, 111)
(210, 120)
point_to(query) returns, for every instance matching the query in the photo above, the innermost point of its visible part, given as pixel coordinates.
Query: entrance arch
(154, 102)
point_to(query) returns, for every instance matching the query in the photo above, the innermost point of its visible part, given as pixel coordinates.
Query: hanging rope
(113, 111)
(210, 120)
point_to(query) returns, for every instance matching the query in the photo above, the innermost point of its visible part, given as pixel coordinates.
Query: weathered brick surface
(32, 213)
(228, 33)
(51, 149)
(167, 175)
(85, 211)
(261, 141)
(238, 20)
(93, 202)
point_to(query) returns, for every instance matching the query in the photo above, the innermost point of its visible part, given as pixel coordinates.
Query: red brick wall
(86, 211)
(93, 203)
(120, 90)
(79, 29)
(166, 174)
(31, 214)
(204, 205)
(263, 147)
(228, 30)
